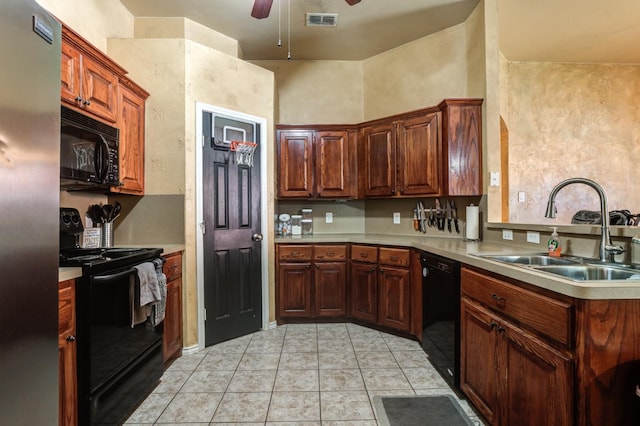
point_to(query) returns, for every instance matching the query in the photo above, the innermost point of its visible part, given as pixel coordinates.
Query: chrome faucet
(607, 249)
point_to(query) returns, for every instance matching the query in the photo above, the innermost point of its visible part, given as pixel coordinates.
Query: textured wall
(568, 120)
(317, 92)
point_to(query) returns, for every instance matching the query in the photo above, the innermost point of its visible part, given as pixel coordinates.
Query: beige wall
(95, 20)
(571, 120)
(317, 92)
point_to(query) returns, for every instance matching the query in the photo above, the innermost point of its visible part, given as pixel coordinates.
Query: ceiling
(590, 31)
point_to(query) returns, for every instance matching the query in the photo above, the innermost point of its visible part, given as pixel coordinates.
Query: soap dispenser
(553, 245)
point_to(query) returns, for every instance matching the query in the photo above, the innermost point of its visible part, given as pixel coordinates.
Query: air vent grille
(322, 19)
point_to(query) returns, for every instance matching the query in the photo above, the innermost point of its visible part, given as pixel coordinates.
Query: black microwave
(88, 152)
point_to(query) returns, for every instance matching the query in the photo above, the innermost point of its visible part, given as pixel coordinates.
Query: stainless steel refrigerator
(29, 211)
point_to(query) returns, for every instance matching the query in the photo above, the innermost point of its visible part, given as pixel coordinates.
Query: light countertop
(464, 252)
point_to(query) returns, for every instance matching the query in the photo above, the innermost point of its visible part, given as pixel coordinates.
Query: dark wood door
(478, 359)
(231, 214)
(419, 155)
(335, 159)
(379, 157)
(364, 291)
(295, 163)
(329, 281)
(294, 290)
(539, 381)
(394, 298)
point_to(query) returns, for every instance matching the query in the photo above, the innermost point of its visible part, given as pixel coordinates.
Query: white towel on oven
(138, 313)
(148, 281)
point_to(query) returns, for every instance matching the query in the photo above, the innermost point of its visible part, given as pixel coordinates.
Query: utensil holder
(106, 238)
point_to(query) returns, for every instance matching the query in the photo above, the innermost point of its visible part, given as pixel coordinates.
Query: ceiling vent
(322, 19)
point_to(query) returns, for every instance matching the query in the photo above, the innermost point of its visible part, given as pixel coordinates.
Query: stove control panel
(70, 221)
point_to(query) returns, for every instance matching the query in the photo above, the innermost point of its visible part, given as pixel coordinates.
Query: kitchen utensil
(432, 218)
(117, 207)
(95, 213)
(454, 213)
(107, 209)
(416, 223)
(439, 216)
(448, 210)
(423, 218)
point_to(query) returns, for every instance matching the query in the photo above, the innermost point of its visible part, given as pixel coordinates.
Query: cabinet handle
(364, 255)
(294, 254)
(330, 253)
(71, 338)
(394, 258)
(497, 298)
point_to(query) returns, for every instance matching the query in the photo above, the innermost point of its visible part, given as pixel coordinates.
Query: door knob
(256, 237)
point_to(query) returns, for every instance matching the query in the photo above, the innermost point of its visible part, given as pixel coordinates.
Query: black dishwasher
(441, 315)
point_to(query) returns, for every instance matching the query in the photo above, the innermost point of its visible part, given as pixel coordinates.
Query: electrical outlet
(328, 217)
(494, 179)
(507, 234)
(533, 237)
(396, 218)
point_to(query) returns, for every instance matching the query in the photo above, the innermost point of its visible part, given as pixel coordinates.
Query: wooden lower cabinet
(311, 281)
(172, 332)
(364, 292)
(394, 298)
(68, 396)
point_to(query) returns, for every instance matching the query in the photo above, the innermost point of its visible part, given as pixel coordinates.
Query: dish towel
(158, 308)
(138, 313)
(148, 281)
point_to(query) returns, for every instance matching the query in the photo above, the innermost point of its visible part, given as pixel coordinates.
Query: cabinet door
(335, 154)
(295, 163)
(172, 336)
(364, 292)
(68, 396)
(539, 381)
(70, 75)
(294, 290)
(419, 156)
(329, 283)
(379, 158)
(99, 89)
(462, 145)
(131, 124)
(394, 298)
(478, 359)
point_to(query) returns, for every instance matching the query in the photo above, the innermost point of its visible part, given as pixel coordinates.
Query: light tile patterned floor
(292, 375)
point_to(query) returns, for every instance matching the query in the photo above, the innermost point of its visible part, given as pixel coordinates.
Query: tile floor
(292, 375)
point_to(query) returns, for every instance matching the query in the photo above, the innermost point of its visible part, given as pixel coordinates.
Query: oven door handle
(113, 277)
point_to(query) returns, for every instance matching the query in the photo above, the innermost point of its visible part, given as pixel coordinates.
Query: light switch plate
(328, 217)
(522, 197)
(533, 237)
(396, 218)
(507, 234)
(495, 179)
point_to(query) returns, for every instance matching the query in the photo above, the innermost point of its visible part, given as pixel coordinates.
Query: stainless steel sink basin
(584, 272)
(533, 259)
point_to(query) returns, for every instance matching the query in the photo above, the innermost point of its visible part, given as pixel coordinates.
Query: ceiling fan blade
(352, 2)
(261, 8)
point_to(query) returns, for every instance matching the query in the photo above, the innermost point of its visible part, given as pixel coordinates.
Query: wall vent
(322, 19)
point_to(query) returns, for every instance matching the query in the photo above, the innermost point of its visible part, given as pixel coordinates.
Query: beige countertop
(72, 273)
(464, 252)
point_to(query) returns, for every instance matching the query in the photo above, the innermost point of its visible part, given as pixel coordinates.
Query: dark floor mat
(438, 410)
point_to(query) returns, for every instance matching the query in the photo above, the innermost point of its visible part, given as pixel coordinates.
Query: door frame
(266, 241)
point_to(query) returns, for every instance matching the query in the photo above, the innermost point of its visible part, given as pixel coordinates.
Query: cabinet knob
(373, 269)
(87, 102)
(394, 258)
(381, 271)
(308, 267)
(78, 99)
(496, 297)
(330, 253)
(71, 338)
(317, 266)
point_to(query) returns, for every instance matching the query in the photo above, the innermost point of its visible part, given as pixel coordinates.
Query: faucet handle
(611, 249)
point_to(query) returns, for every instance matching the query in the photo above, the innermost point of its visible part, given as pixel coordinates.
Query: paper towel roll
(472, 229)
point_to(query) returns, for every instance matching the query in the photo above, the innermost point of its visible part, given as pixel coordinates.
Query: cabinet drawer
(548, 316)
(394, 257)
(173, 267)
(330, 252)
(294, 253)
(364, 253)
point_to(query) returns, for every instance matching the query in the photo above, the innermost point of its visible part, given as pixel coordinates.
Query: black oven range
(119, 357)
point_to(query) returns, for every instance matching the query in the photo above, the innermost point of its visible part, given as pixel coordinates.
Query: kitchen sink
(533, 259)
(585, 272)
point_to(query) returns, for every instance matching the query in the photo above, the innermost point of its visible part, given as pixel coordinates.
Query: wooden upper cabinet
(419, 155)
(89, 79)
(335, 164)
(462, 146)
(316, 163)
(131, 120)
(379, 159)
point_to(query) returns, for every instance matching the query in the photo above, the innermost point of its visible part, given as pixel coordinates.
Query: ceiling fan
(261, 8)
